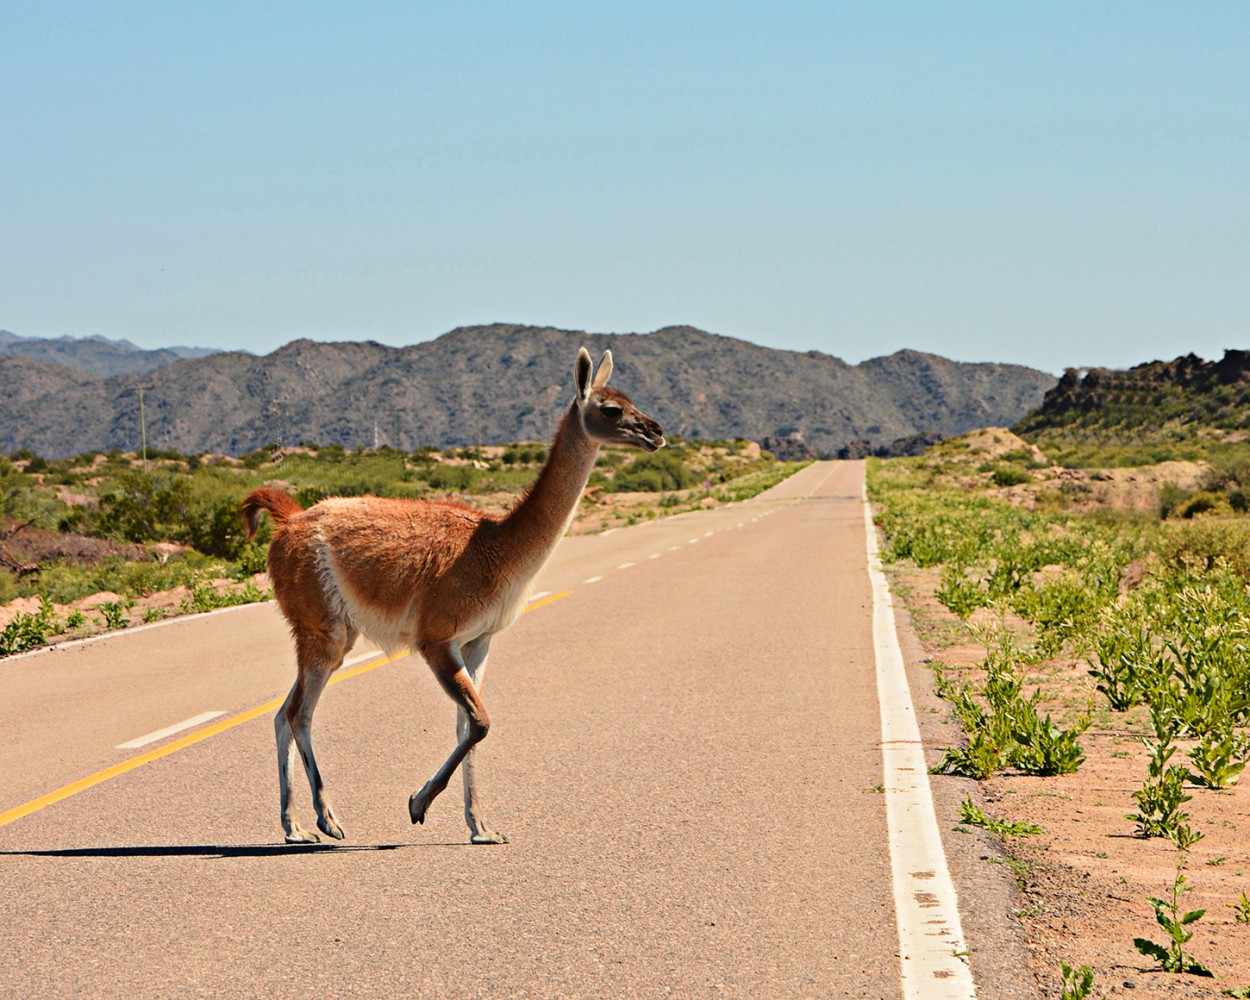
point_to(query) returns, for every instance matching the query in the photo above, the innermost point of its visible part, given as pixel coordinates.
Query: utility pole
(143, 424)
(277, 407)
(403, 462)
(395, 412)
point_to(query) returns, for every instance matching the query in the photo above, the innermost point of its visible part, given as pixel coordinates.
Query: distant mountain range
(495, 383)
(95, 355)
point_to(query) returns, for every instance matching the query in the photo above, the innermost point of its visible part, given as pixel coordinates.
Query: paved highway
(686, 753)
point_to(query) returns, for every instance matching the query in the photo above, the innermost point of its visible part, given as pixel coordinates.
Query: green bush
(458, 478)
(1201, 503)
(1010, 475)
(655, 473)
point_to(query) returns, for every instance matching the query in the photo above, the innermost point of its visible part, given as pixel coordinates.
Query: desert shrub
(255, 459)
(1203, 545)
(655, 473)
(21, 499)
(8, 587)
(523, 454)
(216, 528)
(448, 477)
(1171, 496)
(1009, 475)
(1227, 472)
(1201, 503)
(142, 507)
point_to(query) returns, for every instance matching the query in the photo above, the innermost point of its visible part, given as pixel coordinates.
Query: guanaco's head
(607, 415)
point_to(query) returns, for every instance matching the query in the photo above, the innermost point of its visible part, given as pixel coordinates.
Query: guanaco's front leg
(445, 660)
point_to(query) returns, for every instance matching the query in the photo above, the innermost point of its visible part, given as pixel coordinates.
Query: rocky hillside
(502, 383)
(1151, 401)
(94, 355)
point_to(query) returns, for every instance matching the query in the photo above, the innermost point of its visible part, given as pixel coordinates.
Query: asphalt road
(685, 753)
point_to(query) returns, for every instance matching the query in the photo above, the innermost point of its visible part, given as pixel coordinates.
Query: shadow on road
(212, 850)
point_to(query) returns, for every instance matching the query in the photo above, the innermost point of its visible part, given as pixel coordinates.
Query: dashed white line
(373, 654)
(160, 734)
(626, 565)
(538, 597)
(654, 555)
(693, 541)
(592, 579)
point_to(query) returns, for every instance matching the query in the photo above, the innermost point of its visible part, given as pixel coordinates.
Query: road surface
(686, 753)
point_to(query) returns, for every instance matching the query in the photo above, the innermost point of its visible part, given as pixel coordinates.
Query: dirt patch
(994, 442)
(34, 545)
(1106, 489)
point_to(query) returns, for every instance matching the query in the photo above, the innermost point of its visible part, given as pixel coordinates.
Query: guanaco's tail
(279, 504)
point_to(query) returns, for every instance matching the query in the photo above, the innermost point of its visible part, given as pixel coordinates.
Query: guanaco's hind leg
(445, 660)
(318, 659)
(474, 655)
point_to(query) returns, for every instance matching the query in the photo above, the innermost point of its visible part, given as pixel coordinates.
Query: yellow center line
(17, 812)
(547, 600)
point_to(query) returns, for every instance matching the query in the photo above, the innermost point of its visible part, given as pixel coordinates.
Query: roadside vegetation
(86, 542)
(1078, 615)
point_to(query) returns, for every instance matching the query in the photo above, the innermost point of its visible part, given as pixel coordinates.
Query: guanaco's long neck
(534, 526)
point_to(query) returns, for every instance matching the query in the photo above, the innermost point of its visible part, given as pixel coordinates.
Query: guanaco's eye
(610, 410)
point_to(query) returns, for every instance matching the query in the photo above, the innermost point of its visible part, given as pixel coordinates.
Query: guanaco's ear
(605, 369)
(582, 373)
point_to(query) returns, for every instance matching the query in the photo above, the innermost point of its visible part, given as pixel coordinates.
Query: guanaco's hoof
(417, 804)
(488, 837)
(330, 828)
(299, 835)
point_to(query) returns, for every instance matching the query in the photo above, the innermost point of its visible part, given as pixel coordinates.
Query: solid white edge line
(930, 935)
(177, 727)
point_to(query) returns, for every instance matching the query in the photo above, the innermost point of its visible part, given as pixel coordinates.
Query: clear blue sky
(1054, 184)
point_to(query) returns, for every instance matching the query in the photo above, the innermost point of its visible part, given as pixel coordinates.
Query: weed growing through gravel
(1078, 984)
(205, 597)
(27, 631)
(115, 614)
(1162, 794)
(1171, 956)
(972, 815)
(1003, 727)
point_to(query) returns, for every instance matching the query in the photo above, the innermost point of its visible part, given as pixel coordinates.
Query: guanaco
(435, 577)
